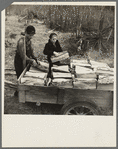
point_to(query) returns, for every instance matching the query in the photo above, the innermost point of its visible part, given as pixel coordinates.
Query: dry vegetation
(44, 27)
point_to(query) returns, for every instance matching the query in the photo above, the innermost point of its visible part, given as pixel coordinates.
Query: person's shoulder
(21, 41)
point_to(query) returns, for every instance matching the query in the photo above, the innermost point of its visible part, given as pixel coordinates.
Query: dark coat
(50, 48)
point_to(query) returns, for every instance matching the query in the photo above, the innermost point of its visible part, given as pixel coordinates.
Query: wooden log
(84, 83)
(10, 84)
(62, 75)
(82, 72)
(10, 73)
(105, 83)
(104, 72)
(64, 68)
(32, 81)
(35, 75)
(41, 68)
(62, 56)
(80, 64)
(64, 83)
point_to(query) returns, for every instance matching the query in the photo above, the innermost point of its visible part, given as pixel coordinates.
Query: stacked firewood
(78, 75)
(95, 75)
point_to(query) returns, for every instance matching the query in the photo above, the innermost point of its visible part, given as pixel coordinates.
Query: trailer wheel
(80, 108)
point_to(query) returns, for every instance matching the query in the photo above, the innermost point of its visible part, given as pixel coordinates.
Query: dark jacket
(50, 48)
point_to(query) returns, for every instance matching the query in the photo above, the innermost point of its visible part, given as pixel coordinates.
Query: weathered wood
(101, 98)
(63, 83)
(35, 75)
(35, 70)
(104, 72)
(108, 87)
(99, 64)
(41, 68)
(62, 56)
(61, 68)
(10, 84)
(32, 81)
(42, 94)
(80, 64)
(62, 75)
(82, 72)
(40, 97)
(23, 73)
(84, 84)
(10, 73)
(21, 96)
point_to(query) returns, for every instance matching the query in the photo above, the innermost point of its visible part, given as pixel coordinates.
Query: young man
(52, 48)
(24, 53)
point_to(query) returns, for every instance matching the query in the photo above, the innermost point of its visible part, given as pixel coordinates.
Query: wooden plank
(43, 95)
(36, 87)
(22, 74)
(99, 97)
(21, 96)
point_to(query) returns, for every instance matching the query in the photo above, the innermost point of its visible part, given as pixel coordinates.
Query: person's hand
(33, 62)
(55, 53)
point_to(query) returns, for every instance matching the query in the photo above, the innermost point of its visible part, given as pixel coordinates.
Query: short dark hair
(30, 29)
(52, 35)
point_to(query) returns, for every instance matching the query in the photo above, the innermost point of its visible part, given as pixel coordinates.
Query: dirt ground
(12, 26)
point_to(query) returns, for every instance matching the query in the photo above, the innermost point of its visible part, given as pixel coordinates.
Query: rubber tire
(68, 106)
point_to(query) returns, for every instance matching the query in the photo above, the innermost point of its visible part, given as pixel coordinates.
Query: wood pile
(95, 75)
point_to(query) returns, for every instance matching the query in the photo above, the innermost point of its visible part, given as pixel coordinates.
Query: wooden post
(21, 96)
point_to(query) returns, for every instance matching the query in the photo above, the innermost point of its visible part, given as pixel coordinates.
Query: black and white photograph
(59, 59)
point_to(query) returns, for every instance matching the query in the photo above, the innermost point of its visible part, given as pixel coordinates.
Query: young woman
(24, 53)
(52, 48)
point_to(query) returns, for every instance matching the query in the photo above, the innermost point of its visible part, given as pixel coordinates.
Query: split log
(82, 72)
(64, 68)
(32, 81)
(84, 83)
(35, 75)
(62, 56)
(64, 83)
(10, 84)
(62, 75)
(10, 73)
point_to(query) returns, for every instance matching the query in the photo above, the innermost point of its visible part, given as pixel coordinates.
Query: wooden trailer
(74, 101)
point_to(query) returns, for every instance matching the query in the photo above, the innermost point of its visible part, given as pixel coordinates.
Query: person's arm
(22, 53)
(32, 54)
(48, 51)
(59, 49)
